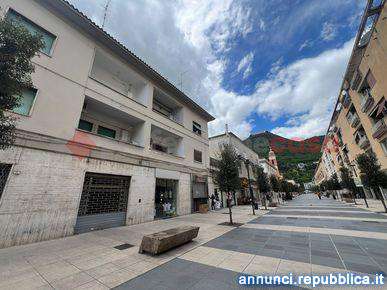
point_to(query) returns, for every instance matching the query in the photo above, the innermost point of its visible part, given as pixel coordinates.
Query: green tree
(275, 185)
(17, 47)
(371, 174)
(227, 175)
(263, 183)
(347, 182)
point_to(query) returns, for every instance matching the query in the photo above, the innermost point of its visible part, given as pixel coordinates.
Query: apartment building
(359, 120)
(103, 140)
(246, 169)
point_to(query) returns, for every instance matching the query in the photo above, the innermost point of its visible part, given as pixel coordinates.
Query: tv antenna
(106, 9)
(181, 79)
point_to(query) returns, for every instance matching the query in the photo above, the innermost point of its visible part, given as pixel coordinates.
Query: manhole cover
(123, 246)
(231, 225)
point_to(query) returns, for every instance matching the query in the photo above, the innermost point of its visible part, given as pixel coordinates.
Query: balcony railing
(379, 129)
(353, 119)
(346, 99)
(364, 143)
(366, 101)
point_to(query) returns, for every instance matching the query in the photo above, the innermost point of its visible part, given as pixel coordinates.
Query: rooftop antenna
(181, 80)
(105, 12)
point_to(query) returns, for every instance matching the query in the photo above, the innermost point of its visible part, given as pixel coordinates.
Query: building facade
(246, 169)
(102, 139)
(359, 120)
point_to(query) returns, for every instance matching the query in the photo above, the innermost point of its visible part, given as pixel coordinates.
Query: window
(159, 147)
(4, 172)
(47, 37)
(85, 125)
(106, 132)
(196, 128)
(26, 101)
(384, 146)
(198, 156)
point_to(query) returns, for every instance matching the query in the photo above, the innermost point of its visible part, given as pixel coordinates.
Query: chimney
(226, 129)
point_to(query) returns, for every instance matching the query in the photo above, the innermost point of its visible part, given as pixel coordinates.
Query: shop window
(198, 156)
(196, 128)
(4, 172)
(85, 125)
(26, 100)
(103, 131)
(165, 198)
(47, 37)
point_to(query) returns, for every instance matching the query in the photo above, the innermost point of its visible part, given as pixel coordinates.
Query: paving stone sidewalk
(90, 261)
(343, 239)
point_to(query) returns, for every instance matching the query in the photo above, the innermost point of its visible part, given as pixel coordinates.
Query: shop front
(165, 198)
(199, 192)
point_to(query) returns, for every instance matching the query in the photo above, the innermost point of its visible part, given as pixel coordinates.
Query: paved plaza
(304, 236)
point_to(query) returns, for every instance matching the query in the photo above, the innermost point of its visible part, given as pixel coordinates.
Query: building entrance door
(165, 198)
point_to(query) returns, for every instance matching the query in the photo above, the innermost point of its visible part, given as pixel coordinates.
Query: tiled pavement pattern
(288, 239)
(90, 261)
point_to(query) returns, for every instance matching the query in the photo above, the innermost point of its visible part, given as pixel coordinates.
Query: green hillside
(296, 159)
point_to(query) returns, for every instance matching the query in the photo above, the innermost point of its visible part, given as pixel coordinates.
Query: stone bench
(161, 242)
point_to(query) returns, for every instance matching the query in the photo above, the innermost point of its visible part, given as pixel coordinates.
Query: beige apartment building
(103, 140)
(246, 169)
(359, 120)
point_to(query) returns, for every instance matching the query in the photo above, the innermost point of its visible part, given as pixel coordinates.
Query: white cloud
(186, 35)
(245, 65)
(328, 31)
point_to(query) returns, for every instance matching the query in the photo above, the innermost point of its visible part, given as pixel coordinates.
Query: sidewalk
(90, 261)
(374, 205)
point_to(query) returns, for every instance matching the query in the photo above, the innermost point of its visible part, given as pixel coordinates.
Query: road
(308, 236)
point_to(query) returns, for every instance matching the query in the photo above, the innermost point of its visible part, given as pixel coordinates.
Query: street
(306, 236)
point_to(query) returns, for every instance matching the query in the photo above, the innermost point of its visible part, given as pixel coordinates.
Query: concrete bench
(161, 242)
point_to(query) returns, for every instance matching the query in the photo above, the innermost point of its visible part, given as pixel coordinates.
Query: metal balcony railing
(379, 129)
(366, 102)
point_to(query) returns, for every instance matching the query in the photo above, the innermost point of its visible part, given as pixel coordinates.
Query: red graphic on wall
(81, 144)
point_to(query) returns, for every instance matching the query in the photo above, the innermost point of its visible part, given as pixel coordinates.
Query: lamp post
(247, 163)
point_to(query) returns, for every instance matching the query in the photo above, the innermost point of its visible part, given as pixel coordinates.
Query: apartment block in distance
(359, 121)
(103, 140)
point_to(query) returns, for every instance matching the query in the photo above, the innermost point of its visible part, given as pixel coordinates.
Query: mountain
(297, 160)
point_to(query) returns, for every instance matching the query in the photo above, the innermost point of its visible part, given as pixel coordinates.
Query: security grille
(104, 194)
(4, 172)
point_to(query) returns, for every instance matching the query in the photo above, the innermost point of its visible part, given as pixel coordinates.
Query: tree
(227, 175)
(17, 47)
(371, 174)
(263, 182)
(347, 182)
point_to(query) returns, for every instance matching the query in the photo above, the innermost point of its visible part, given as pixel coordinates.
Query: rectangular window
(26, 100)
(198, 156)
(103, 131)
(85, 125)
(47, 37)
(196, 128)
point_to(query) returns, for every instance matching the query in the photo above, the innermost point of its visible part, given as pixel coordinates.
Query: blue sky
(256, 65)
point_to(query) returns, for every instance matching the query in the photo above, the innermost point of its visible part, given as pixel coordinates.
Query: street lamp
(247, 163)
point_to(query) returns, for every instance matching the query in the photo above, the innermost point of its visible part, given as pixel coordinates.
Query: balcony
(163, 141)
(107, 122)
(367, 101)
(345, 99)
(379, 129)
(353, 119)
(118, 77)
(167, 106)
(363, 142)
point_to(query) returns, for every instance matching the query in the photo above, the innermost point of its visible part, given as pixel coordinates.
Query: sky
(256, 65)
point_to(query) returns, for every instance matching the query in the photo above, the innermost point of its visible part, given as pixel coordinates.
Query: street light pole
(247, 162)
